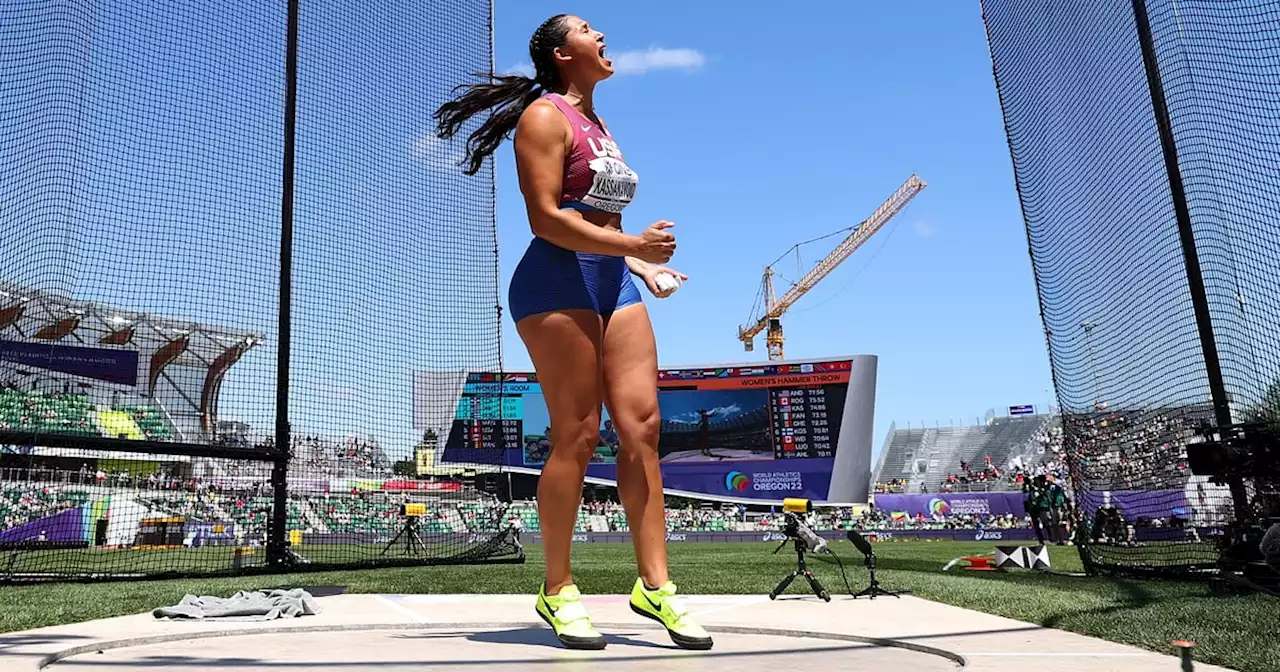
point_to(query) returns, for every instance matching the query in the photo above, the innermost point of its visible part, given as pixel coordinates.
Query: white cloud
(716, 413)
(656, 58)
(521, 68)
(924, 229)
(446, 155)
(336, 390)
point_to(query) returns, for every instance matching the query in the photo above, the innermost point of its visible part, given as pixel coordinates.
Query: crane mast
(774, 307)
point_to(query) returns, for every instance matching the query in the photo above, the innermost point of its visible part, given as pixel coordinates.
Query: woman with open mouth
(578, 311)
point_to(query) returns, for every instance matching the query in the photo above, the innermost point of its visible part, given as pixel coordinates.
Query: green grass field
(1237, 632)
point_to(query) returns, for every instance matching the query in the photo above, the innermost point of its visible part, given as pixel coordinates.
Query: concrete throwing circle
(509, 647)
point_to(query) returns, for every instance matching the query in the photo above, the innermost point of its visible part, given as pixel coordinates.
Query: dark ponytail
(511, 95)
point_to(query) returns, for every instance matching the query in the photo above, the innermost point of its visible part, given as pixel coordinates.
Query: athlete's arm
(639, 266)
(540, 143)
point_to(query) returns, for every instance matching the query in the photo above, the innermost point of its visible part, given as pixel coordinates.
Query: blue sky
(752, 129)
(755, 129)
(147, 178)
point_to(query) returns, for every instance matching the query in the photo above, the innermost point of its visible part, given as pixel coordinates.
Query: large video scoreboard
(802, 425)
(763, 431)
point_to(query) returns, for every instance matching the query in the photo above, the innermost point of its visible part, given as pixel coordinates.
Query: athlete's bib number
(613, 185)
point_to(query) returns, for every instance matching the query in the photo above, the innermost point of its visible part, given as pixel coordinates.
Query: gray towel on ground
(257, 605)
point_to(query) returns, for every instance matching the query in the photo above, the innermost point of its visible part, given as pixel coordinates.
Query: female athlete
(578, 311)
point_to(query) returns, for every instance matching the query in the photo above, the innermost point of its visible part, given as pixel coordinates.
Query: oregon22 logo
(737, 481)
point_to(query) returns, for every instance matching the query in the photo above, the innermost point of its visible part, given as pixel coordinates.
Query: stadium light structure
(162, 358)
(10, 315)
(213, 383)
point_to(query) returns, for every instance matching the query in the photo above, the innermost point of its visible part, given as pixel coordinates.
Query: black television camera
(1248, 450)
(805, 540)
(1245, 457)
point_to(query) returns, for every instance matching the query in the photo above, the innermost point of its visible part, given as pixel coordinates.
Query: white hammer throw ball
(666, 282)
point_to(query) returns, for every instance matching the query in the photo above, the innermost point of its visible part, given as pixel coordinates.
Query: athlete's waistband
(579, 205)
(544, 246)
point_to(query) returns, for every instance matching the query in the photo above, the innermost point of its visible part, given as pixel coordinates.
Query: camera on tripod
(413, 509)
(805, 540)
(1230, 456)
(408, 534)
(1250, 450)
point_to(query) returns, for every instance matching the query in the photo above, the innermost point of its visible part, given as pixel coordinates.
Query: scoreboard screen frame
(729, 431)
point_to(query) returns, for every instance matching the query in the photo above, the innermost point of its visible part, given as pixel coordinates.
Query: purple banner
(771, 536)
(970, 503)
(747, 479)
(60, 528)
(762, 479)
(1012, 534)
(112, 366)
(1206, 535)
(1135, 504)
(210, 534)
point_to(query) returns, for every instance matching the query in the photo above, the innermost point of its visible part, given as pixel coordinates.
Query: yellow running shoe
(663, 606)
(568, 618)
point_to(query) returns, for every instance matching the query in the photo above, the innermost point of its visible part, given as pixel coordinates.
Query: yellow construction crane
(774, 307)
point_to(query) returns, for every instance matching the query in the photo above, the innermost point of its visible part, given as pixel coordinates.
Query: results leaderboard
(801, 425)
(488, 422)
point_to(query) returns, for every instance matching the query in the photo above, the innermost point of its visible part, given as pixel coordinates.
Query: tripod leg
(782, 585)
(817, 586)
(393, 541)
(419, 546)
(874, 589)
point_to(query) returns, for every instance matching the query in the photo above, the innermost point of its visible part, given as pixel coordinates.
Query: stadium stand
(175, 399)
(75, 413)
(375, 513)
(119, 424)
(951, 447)
(1116, 451)
(39, 411)
(1135, 451)
(943, 458)
(21, 503)
(150, 421)
(898, 456)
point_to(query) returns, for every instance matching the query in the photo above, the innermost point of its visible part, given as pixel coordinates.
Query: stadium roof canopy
(32, 316)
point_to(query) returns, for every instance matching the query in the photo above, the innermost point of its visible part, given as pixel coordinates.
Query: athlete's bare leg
(631, 395)
(565, 347)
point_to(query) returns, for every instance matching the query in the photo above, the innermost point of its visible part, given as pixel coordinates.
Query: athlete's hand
(650, 280)
(656, 244)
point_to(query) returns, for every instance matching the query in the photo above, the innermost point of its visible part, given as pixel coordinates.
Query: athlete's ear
(560, 55)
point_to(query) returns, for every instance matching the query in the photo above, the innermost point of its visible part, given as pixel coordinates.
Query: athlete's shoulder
(542, 118)
(542, 111)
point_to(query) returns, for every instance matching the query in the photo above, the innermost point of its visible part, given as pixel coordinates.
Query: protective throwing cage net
(149, 169)
(1127, 351)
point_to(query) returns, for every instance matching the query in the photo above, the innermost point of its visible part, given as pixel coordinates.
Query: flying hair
(507, 96)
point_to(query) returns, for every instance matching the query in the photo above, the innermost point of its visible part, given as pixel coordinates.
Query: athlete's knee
(640, 427)
(577, 436)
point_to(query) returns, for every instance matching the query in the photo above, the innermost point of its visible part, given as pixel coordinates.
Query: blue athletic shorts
(552, 278)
